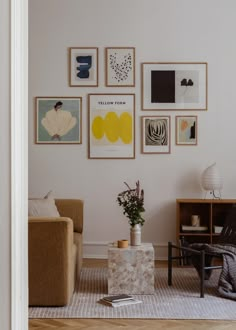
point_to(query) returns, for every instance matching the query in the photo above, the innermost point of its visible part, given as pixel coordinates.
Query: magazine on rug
(119, 300)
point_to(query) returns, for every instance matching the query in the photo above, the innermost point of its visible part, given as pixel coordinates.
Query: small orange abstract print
(184, 125)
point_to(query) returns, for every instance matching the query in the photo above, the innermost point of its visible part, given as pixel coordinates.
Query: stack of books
(119, 300)
(194, 228)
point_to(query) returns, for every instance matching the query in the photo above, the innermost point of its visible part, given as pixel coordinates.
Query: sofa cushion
(72, 208)
(51, 261)
(43, 207)
(78, 241)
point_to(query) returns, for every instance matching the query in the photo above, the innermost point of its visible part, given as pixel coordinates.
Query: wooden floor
(130, 324)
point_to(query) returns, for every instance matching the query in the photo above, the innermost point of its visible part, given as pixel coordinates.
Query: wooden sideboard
(212, 214)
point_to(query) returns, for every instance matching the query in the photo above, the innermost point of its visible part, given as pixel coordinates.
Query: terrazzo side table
(131, 269)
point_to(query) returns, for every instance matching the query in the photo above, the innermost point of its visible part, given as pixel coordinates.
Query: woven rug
(180, 301)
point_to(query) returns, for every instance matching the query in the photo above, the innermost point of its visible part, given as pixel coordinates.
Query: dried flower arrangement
(132, 201)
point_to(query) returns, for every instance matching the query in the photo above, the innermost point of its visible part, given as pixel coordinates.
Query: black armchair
(201, 256)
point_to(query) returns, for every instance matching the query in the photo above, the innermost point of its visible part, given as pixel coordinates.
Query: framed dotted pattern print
(120, 66)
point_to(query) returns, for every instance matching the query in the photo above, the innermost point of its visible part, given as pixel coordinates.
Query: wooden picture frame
(83, 66)
(156, 134)
(120, 66)
(111, 128)
(174, 86)
(58, 120)
(186, 130)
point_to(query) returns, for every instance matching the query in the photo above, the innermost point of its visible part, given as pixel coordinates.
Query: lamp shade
(211, 178)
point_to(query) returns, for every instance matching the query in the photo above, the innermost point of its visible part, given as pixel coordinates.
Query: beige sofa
(55, 254)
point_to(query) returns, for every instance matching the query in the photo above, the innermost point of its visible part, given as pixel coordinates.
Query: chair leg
(169, 263)
(202, 275)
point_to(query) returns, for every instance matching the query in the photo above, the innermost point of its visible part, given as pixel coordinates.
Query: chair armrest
(183, 248)
(50, 245)
(73, 209)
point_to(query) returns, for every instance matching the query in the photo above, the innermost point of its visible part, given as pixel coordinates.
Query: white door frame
(19, 164)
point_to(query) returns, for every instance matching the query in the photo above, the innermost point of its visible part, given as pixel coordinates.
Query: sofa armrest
(50, 256)
(73, 209)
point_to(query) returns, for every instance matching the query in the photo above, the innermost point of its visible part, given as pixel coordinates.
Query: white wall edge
(19, 164)
(98, 250)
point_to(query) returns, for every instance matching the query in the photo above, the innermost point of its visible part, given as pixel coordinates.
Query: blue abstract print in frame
(83, 66)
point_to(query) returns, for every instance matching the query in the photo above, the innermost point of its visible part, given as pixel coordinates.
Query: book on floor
(119, 297)
(120, 303)
(119, 300)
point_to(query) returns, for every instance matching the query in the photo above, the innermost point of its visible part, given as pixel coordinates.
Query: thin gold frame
(89, 125)
(177, 128)
(143, 135)
(174, 108)
(93, 83)
(36, 141)
(132, 84)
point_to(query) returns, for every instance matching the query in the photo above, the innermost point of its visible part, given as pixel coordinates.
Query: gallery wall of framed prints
(165, 87)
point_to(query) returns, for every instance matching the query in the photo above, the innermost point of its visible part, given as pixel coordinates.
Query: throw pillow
(43, 207)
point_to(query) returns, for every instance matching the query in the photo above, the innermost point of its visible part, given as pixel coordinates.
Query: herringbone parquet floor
(107, 324)
(127, 324)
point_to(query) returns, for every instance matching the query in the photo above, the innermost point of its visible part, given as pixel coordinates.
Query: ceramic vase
(135, 235)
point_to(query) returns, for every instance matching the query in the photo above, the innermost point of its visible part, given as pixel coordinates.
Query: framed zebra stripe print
(155, 134)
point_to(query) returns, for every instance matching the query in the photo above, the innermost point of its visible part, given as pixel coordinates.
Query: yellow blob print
(98, 127)
(126, 127)
(112, 126)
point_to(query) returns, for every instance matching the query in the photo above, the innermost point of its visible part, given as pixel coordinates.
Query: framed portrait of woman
(58, 120)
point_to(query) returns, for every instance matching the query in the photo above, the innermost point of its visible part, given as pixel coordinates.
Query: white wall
(160, 30)
(5, 141)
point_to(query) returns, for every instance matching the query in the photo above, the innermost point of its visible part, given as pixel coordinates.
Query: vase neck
(137, 225)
